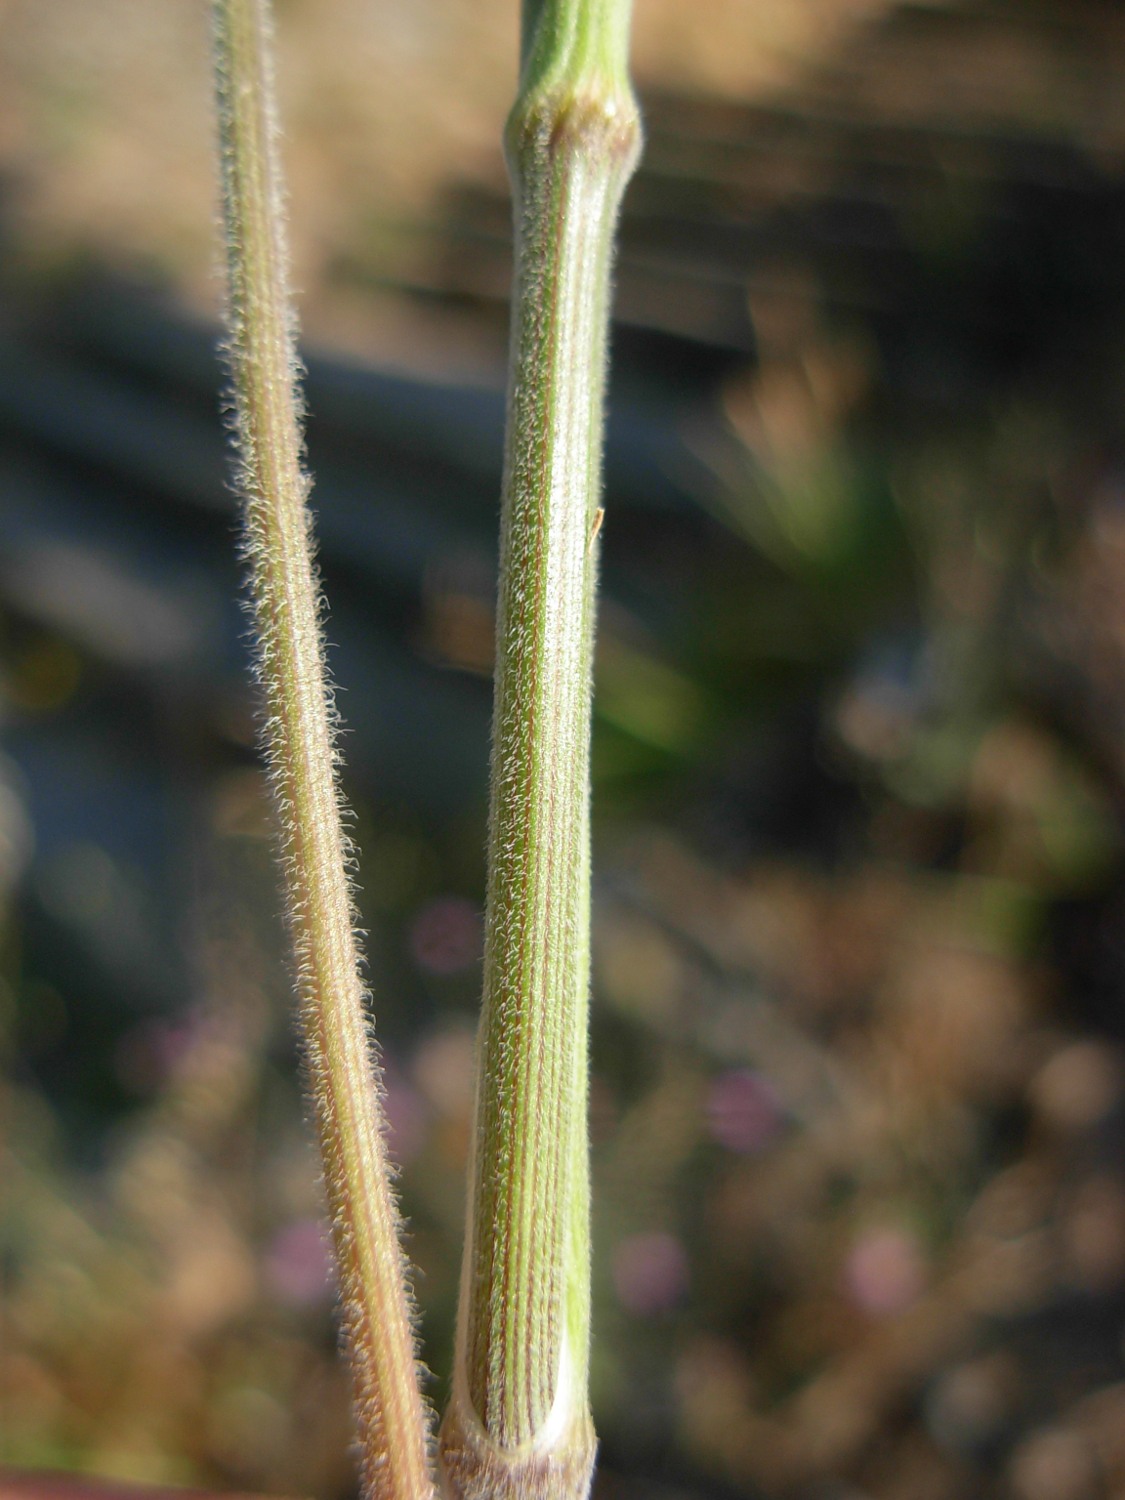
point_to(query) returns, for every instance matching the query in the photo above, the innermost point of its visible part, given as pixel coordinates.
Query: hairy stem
(298, 741)
(519, 1423)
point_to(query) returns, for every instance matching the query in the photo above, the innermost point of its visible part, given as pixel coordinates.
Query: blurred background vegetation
(858, 1093)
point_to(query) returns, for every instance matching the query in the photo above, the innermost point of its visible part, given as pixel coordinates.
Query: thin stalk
(519, 1423)
(298, 740)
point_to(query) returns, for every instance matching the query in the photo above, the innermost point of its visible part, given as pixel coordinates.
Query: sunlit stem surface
(299, 744)
(519, 1423)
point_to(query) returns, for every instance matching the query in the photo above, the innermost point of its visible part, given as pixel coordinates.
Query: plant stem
(519, 1423)
(298, 739)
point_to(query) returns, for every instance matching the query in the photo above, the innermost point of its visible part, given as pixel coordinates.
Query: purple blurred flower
(650, 1273)
(744, 1112)
(408, 1119)
(445, 936)
(298, 1263)
(150, 1052)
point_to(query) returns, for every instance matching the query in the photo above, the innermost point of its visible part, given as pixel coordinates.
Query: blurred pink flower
(445, 936)
(650, 1273)
(408, 1118)
(149, 1053)
(744, 1112)
(885, 1271)
(298, 1263)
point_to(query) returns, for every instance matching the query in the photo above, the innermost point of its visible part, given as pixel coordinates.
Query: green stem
(299, 744)
(519, 1422)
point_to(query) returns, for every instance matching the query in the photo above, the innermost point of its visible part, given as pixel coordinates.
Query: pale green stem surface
(519, 1423)
(392, 1421)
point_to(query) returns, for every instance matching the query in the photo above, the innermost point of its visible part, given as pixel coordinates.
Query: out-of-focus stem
(519, 1423)
(298, 741)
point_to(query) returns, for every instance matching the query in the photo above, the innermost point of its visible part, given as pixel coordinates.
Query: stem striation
(519, 1427)
(298, 740)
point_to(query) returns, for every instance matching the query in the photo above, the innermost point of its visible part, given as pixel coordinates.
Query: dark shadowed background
(858, 1094)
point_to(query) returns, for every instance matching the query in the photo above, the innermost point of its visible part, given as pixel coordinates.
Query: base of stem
(472, 1467)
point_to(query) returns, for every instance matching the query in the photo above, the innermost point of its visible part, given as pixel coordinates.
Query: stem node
(603, 130)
